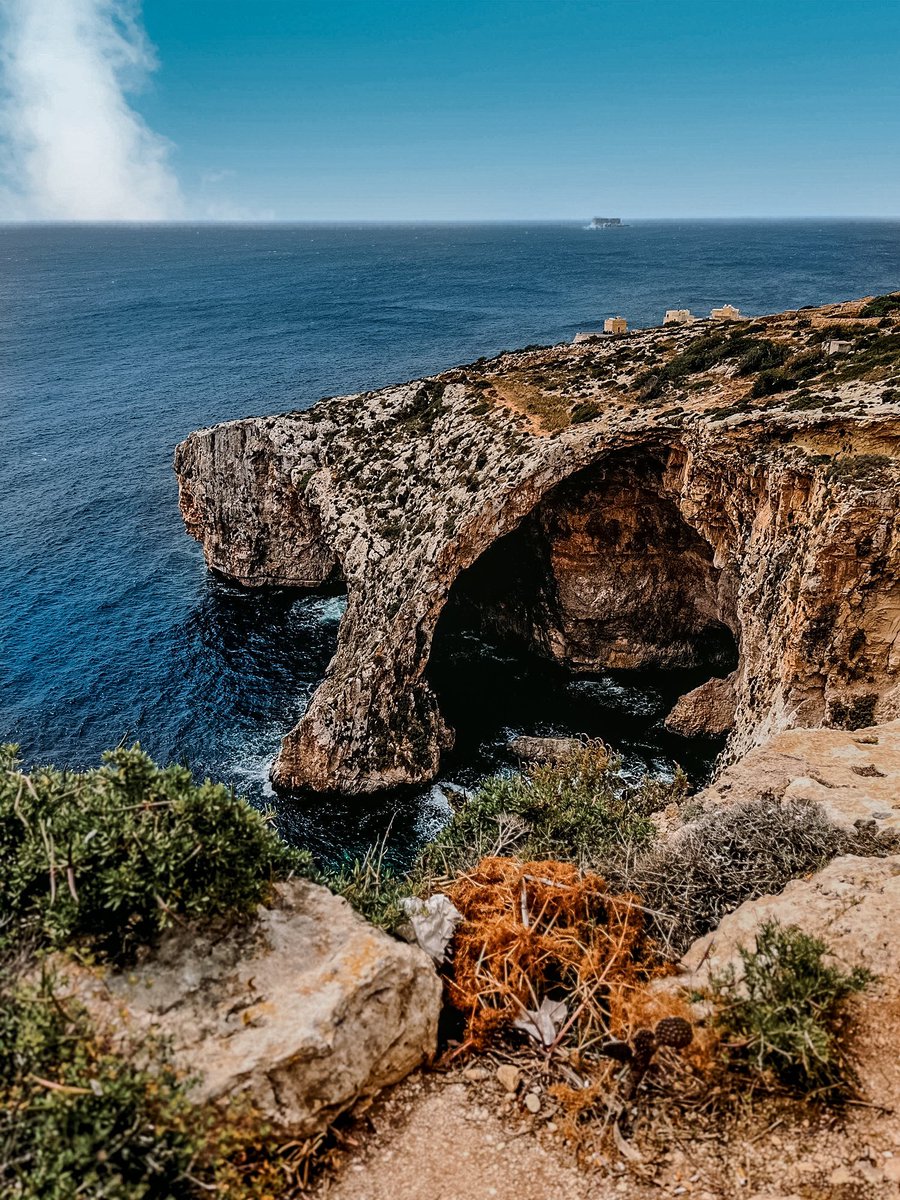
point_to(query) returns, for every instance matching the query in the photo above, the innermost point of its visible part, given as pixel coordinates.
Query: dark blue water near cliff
(115, 342)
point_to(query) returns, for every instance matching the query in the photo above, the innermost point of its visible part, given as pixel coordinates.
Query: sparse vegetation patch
(781, 1013)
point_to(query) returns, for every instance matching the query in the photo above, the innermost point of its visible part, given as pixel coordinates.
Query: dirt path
(440, 1138)
(462, 1136)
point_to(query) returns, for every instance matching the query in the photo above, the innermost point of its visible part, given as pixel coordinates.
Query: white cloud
(73, 148)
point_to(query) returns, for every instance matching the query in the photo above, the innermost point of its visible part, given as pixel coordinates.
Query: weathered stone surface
(853, 775)
(303, 1011)
(707, 710)
(576, 499)
(544, 749)
(853, 905)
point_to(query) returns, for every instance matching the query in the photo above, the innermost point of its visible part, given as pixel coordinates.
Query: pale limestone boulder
(853, 905)
(707, 710)
(304, 1010)
(545, 749)
(854, 775)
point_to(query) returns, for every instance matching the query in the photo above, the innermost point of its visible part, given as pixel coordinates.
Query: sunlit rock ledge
(722, 494)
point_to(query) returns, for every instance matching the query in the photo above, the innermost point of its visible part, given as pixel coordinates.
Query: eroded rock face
(853, 905)
(651, 513)
(303, 1011)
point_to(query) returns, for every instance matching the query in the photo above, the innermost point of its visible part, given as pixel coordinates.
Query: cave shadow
(590, 618)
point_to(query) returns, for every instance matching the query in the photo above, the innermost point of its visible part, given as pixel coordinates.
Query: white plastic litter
(544, 1024)
(433, 922)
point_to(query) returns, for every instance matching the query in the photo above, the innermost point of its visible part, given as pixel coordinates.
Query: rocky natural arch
(667, 516)
(605, 572)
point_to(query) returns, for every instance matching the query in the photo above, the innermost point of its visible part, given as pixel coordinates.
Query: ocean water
(115, 342)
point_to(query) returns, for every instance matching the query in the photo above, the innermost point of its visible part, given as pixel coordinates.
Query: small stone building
(726, 313)
(678, 316)
(836, 346)
(615, 325)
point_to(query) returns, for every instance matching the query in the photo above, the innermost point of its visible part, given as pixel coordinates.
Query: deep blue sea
(116, 342)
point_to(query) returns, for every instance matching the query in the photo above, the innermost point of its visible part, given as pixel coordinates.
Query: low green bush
(79, 1119)
(112, 856)
(581, 811)
(781, 1016)
(768, 383)
(762, 355)
(882, 306)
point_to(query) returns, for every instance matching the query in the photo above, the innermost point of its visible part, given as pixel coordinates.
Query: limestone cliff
(714, 494)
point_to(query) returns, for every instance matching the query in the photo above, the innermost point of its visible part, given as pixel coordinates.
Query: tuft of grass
(372, 888)
(725, 857)
(111, 857)
(780, 1015)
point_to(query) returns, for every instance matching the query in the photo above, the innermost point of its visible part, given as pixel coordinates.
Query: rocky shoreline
(720, 493)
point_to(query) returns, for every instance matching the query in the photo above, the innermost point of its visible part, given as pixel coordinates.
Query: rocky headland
(723, 495)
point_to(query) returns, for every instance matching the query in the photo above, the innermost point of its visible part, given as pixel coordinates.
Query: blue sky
(467, 109)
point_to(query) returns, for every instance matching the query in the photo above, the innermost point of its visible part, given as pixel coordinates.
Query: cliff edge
(712, 494)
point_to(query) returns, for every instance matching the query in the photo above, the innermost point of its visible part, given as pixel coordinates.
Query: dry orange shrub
(539, 930)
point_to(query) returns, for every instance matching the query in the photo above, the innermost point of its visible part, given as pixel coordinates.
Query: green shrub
(114, 855)
(762, 355)
(76, 1118)
(882, 306)
(580, 811)
(780, 1015)
(708, 350)
(875, 353)
(767, 383)
(425, 407)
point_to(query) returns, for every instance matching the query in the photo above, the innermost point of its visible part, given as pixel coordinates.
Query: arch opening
(591, 617)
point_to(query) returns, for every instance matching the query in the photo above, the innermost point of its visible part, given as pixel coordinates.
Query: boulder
(708, 710)
(545, 749)
(853, 905)
(303, 1010)
(853, 774)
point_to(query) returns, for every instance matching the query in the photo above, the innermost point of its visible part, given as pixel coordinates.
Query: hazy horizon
(191, 222)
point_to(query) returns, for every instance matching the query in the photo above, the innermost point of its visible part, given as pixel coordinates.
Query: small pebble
(533, 1102)
(508, 1077)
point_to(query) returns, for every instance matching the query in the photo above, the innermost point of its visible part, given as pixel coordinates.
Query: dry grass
(727, 856)
(545, 930)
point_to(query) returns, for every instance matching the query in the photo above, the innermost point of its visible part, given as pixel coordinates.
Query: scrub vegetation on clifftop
(110, 858)
(572, 900)
(99, 864)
